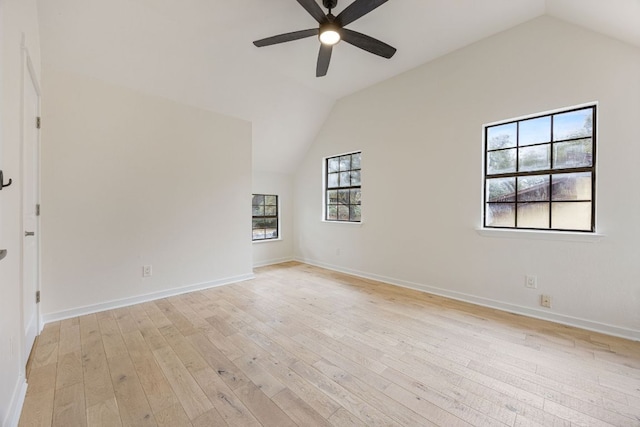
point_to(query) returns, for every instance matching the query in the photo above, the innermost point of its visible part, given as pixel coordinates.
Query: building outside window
(343, 191)
(265, 217)
(540, 172)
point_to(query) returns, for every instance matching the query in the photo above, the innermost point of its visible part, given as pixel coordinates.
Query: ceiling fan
(332, 30)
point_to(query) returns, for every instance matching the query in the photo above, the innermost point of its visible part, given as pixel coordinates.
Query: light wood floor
(304, 346)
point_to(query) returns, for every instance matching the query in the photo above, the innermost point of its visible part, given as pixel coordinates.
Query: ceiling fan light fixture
(329, 35)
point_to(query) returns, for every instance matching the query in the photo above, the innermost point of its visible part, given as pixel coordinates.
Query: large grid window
(265, 217)
(342, 188)
(540, 172)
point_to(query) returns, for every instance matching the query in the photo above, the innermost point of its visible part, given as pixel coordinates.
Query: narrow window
(540, 172)
(342, 188)
(265, 217)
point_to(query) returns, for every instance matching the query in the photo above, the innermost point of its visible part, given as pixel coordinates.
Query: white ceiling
(200, 52)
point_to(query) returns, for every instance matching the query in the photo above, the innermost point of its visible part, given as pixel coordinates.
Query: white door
(30, 197)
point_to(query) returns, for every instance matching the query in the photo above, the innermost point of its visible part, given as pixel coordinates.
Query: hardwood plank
(156, 315)
(591, 406)
(358, 407)
(125, 320)
(375, 391)
(42, 379)
(151, 334)
(299, 410)
(178, 320)
(37, 410)
(69, 406)
(89, 329)
(225, 368)
(173, 416)
(45, 354)
(262, 407)
(189, 356)
(97, 378)
(69, 338)
(439, 408)
(74, 321)
(69, 370)
(156, 387)
(104, 414)
(139, 315)
(344, 418)
(50, 334)
(232, 410)
(182, 305)
(259, 376)
(324, 405)
(111, 336)
(440, 387)
(208, 419)
(576, 417)
(132, 402)
(190, 395)
(223, 343)
(279, 344)
(221, 325)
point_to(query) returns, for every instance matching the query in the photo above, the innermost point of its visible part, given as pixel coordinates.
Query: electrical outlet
(531, 281)
(545, 301)
(146, 271)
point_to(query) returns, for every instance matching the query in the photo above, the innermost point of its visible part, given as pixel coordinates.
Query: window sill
(352, 224)
(540, 235)
(279, 239)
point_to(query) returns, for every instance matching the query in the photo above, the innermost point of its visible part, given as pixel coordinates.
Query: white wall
(18, 19)
(421, 138)
(132, 180)
(281, 250)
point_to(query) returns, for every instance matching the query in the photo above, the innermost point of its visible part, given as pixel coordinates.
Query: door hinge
(38, 209)
(37, 297)
(38, 122)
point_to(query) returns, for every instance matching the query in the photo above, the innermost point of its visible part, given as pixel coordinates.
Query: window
(540, 172)
(342, 188)
(265, 217)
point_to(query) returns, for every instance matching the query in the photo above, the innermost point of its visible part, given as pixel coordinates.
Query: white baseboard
(95, 308)
(17, 401)
(617, 331)
(272, 262)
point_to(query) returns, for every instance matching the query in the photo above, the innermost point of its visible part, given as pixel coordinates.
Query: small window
(342, 188)
(265, 217)
(540, 172)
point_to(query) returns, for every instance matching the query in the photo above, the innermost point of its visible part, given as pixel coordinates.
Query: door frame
(29, 74)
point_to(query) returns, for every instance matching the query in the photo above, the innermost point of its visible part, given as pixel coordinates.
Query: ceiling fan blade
(287, 37)
(324, 57)
(356, 10)
(314, 10)
(368, 43)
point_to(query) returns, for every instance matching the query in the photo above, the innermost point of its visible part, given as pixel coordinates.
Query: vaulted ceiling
(200, 52)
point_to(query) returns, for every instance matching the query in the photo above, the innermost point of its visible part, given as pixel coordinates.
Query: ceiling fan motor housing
(330, 4)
